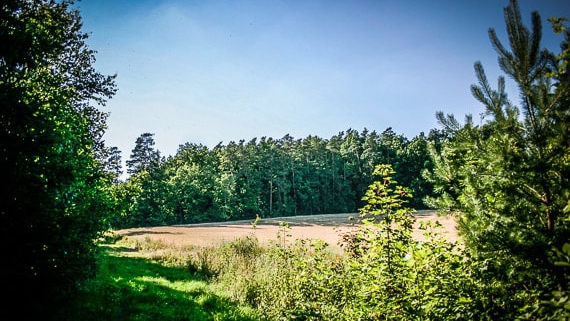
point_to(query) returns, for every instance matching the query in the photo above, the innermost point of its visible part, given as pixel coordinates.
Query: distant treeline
(266, 177)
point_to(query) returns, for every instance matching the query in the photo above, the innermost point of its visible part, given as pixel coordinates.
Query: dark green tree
(113, 163)
(191, 186)
(143, 154)
(53, 204)
(265, 177)
(342, 196)
(310, 178)
(227, 159)
(414, 158)
(508, 179)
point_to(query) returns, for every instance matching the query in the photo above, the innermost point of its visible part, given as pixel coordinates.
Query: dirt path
(327, 227)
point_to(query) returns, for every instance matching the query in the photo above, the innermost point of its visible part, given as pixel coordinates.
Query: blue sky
(210, 72)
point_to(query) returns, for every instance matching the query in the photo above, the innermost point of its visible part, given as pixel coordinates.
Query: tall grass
(383, 274)
(303, 280)
(149, 280)
(284, 280)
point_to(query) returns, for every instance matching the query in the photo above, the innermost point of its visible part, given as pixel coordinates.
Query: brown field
(326, 227)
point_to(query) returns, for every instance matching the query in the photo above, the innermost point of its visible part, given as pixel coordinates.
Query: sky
(212, 72)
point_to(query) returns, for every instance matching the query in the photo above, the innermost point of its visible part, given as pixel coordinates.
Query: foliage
(124, 196)
(267, 177)
(113, 163)
(143, 156)
(385, 273)
(399, 277)
(556, 304)
(508, 178)
(54, 203)
(138, 288)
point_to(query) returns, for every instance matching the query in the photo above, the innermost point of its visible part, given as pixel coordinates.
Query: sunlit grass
(283, 280)
(136, 283)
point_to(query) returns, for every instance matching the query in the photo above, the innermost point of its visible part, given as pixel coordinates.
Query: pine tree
(113, 163)
(508, 177)
(143, 155)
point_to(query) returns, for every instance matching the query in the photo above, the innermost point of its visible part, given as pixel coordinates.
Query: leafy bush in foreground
(384, 273)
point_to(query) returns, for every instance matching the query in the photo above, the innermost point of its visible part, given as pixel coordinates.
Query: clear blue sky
(210, 72)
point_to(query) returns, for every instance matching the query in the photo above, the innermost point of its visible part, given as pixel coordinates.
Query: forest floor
(326, 227)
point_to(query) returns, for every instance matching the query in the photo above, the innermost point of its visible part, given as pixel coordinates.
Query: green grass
(301, 280)
(130, 286)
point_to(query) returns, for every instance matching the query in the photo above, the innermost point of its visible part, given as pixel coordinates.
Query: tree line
(266, 177)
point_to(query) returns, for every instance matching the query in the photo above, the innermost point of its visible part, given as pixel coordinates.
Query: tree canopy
(52, 206)
(265, 177)
(508, 179)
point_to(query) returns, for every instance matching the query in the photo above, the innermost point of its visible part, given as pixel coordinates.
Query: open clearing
(327, 227)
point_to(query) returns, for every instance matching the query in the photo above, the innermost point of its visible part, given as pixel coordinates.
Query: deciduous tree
(52, 207)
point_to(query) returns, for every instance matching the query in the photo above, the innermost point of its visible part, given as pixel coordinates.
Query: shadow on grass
(131, 288)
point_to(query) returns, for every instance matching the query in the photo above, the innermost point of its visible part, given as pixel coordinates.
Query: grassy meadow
(283, 280)
(152, 281)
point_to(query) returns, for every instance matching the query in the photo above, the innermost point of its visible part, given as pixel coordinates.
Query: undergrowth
(149, 280)
(383, 274)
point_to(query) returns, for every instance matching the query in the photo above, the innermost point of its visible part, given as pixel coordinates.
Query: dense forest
(266, 177)
(506, 180)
